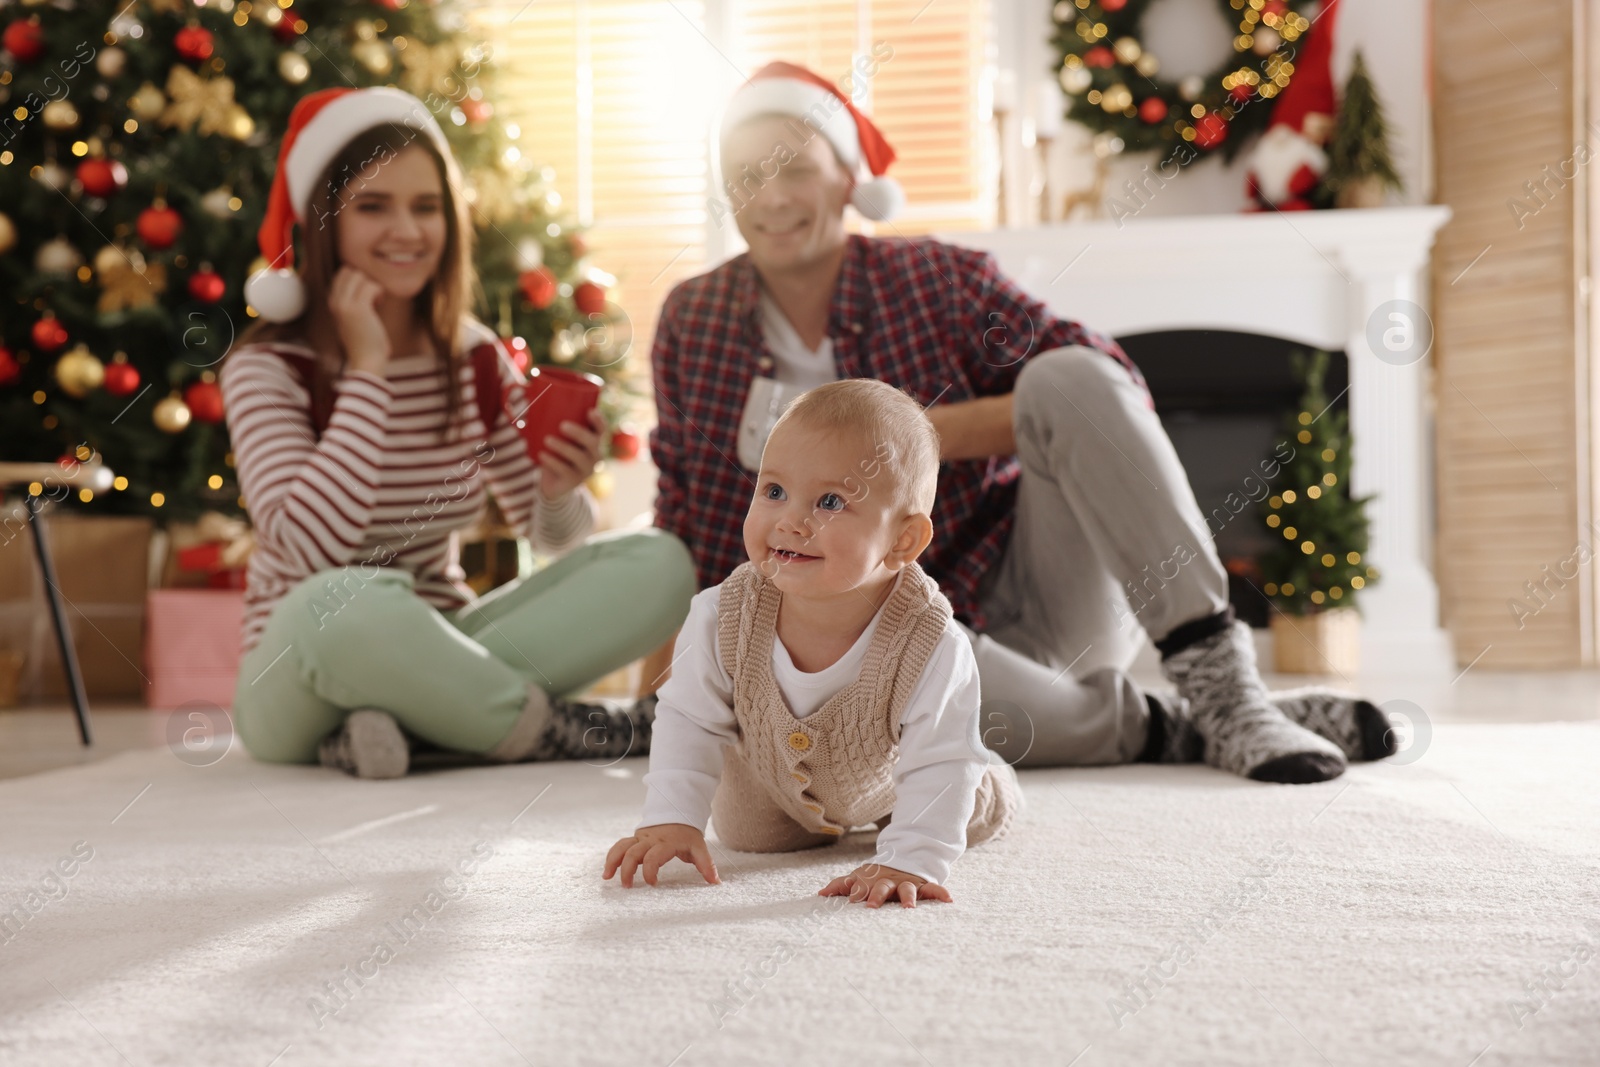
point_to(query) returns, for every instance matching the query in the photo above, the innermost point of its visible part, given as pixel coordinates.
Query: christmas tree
(1319, 563)
(134, 172)
(1359, 166)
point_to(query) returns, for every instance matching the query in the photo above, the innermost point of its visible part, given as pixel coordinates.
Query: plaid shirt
(938, 321)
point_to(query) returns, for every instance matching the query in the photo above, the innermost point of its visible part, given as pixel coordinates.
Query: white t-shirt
(936, 775)
(795, 369)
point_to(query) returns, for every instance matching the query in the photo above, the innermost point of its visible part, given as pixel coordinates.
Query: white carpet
(1393, 916)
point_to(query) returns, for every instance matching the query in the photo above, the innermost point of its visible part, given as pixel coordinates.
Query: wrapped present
(102, 564)
(191, 649)
(210, 553)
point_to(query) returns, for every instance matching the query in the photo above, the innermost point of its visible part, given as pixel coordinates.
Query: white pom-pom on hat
(277, 295)
(878, 198)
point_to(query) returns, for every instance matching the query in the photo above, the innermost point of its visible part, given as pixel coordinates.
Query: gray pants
(1107, 539)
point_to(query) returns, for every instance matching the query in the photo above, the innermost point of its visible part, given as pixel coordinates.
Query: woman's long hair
(442, 305)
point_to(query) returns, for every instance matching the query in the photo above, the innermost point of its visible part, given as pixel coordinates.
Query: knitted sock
(1357, 726)
(598, 731)
(1173, 737)
(369, 744)
(1244, 733)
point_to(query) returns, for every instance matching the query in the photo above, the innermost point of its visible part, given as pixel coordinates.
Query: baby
(824, 684)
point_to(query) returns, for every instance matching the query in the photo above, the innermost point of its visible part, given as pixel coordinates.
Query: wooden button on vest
(799, 741)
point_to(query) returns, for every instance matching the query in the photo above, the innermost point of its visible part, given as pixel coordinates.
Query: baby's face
(822, 521)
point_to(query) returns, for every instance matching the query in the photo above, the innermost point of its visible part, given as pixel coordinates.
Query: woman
(362, 451)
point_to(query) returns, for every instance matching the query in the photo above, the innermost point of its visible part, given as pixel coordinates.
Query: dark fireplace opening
(1224, 399)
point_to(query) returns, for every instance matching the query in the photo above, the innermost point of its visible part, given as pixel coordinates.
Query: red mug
(551, 396)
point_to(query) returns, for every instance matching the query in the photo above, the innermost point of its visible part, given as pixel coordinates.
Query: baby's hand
(875, 883)
(654, 847)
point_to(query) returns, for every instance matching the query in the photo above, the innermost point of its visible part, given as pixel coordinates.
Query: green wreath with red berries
(1114, 87)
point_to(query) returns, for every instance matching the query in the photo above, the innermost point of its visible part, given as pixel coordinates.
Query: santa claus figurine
(1288, 163)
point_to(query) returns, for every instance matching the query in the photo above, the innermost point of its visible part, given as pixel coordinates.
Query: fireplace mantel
(1321, 278)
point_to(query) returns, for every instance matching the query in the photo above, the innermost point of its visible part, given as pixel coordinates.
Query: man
(1059, 492)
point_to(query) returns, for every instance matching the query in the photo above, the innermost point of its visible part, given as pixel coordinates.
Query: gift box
(208, 554)
(191, 649)
(102, 564)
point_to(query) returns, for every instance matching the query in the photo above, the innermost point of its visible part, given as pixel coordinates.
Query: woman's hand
(568, 459)
(353, 300)
(656, 846)
(875, 883)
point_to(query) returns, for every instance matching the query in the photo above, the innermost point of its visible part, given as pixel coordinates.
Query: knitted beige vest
(834, 769)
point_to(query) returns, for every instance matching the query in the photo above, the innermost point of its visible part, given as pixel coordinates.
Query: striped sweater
(378, 488)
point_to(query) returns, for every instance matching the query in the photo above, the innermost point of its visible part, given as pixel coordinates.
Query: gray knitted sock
(1244, 733)
(1172, 737)
(597, 731)
(1358, 727)
(369, 744)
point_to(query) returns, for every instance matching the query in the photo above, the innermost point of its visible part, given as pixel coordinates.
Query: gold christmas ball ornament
(1127, 49)
(293, 67)
(111, 62)
(602, 483)
(57, 256)
(52, 175)
(1076, 79)
(238, 124)
(60, 115)
(171, 414)
(219, 203)
(563, 349)
(148, 103)
(1147, 64)
(8, 233)
(79, 372)
(1191, 87)
(1117, 98)
(374, 55)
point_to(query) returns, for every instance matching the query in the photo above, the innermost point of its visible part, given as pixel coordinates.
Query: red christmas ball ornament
(122, 378)
(538, 286)
(159, 225)
(520, 356)
(393, 5)
(626, 445)
(1210, 130)
(49, 335)
(1153, 110)
(204, 400)
(1113, 5)
(589, 298)
(24, 39)
(1274, 7)
(289, 26)
(1099, 56)
(207, 286)
(1242, 92)
(102, 177)
(10, 369)
(194, 43)
(477, 111)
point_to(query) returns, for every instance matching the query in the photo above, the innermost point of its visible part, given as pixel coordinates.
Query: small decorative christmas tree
(1319, 563)
(1360, 168)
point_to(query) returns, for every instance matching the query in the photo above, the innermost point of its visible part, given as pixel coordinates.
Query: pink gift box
(191, 646)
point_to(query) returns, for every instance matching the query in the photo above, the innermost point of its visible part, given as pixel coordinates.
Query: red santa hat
(781, 88)
(320, 126)
(1289, 161)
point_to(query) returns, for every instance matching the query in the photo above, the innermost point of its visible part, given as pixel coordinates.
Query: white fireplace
(1329, 279)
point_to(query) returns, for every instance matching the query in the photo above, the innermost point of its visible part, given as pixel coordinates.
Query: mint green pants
(359, 636)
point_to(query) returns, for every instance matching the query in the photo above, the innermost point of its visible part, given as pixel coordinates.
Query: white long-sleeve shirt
(936, 775)
(378, 488)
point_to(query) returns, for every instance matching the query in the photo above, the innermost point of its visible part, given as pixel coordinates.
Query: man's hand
(656, 846)
(875, 883)
(975, 429)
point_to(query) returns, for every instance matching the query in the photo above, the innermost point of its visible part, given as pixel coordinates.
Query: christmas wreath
(1114, 86)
